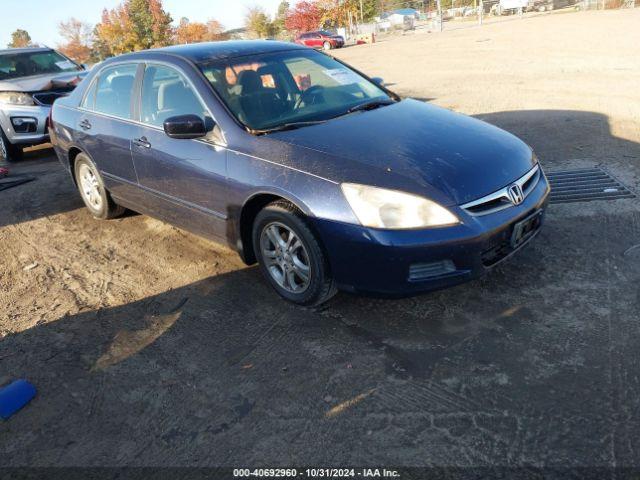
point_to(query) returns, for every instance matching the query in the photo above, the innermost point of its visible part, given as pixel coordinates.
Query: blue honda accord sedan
(302, 164)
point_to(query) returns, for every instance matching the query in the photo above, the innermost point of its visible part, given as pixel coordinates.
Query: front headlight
(16, 98)
(381, 208)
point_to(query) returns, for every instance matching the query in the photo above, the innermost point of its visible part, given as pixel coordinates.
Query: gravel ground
(150, 346)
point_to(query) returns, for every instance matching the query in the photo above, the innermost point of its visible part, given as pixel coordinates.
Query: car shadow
(52, 191)
(558, 136)
(222, 372)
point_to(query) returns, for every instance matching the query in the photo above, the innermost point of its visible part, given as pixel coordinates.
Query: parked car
(336, 185)
(320, 39)
(30, 80)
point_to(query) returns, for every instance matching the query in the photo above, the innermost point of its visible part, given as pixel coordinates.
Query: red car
(320, 39)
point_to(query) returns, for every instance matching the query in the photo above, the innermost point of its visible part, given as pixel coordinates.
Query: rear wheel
(8, 151)
(92, 190)
(326, 45)
(290, 255)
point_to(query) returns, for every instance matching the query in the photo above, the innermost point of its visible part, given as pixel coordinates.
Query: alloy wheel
(90, 187)
(285, 257)
(3, 148)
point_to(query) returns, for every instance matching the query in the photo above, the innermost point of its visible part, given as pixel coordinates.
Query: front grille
(499, 200)
(47, 98)
(585, 184)
(424, 271)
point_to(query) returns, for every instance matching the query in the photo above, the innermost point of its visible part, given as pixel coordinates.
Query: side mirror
(378, 81)
(185, 127)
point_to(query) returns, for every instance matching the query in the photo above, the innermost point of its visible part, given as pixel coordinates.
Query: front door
(183, 181)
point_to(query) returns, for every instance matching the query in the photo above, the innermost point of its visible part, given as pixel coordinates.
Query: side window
(166, 93)
(114, 90)
(89, 100)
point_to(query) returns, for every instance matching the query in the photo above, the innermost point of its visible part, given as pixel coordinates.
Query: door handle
(141, 142)
(85, 124)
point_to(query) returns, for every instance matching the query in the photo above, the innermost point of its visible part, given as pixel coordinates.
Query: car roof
(211, 51)
(24, 50)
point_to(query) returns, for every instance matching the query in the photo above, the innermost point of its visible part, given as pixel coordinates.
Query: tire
(8, 151)
(283, 268)
(92, 190)
(327, 46)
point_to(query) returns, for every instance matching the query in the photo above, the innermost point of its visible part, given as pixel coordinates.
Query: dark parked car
(30, 80)
(332, 183)
(320, 39)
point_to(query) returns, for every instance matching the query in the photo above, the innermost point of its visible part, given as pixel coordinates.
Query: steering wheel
(309, 96)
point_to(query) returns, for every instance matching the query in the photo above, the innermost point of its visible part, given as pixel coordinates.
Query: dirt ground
(150, 346)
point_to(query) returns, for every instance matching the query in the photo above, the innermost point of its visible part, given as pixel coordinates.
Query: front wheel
(290, 256)
(8, 151)
(92, 190)
(326, 45)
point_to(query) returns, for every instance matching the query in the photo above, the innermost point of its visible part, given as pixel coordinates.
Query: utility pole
(439, 6)
(361, 12)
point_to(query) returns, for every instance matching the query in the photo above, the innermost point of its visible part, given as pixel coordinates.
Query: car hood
(39, 83)
(413, 146)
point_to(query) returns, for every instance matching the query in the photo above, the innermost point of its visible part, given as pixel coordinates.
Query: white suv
(30, 80)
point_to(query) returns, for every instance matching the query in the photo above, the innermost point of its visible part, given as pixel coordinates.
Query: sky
(41, 17)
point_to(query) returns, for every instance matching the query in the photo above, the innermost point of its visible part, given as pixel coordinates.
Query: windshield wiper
(286, 126)
(293, 125)
(370, 105)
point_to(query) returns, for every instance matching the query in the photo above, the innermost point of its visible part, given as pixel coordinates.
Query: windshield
(27, 64)
(270, 90)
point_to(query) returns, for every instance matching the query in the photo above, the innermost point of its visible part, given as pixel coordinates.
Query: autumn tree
(78, 36)
(258, 23)
(134, 25)
(20, 39)
(193, 32)
(216, 31)
(305, 16)
(114, 34)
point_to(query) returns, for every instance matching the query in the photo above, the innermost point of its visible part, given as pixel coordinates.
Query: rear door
(105, 125)
(183, 181)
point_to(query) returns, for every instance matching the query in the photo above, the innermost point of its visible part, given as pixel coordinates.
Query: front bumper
(31, 113)
(386, 261)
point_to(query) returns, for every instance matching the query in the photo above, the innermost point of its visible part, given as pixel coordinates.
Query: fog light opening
(24, 124)
(424, 271)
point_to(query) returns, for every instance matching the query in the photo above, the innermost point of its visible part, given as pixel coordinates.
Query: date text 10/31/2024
(316, 473)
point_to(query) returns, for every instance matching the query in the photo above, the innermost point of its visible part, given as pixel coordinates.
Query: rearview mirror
(378, 81)
(185, 127)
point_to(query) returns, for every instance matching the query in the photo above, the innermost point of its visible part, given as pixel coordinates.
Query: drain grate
(584, 185)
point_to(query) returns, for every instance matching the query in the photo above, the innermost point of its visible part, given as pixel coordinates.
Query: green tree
(151, 24)
(370, 9)
(258, 23)
(19, 39)
(281, 16)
